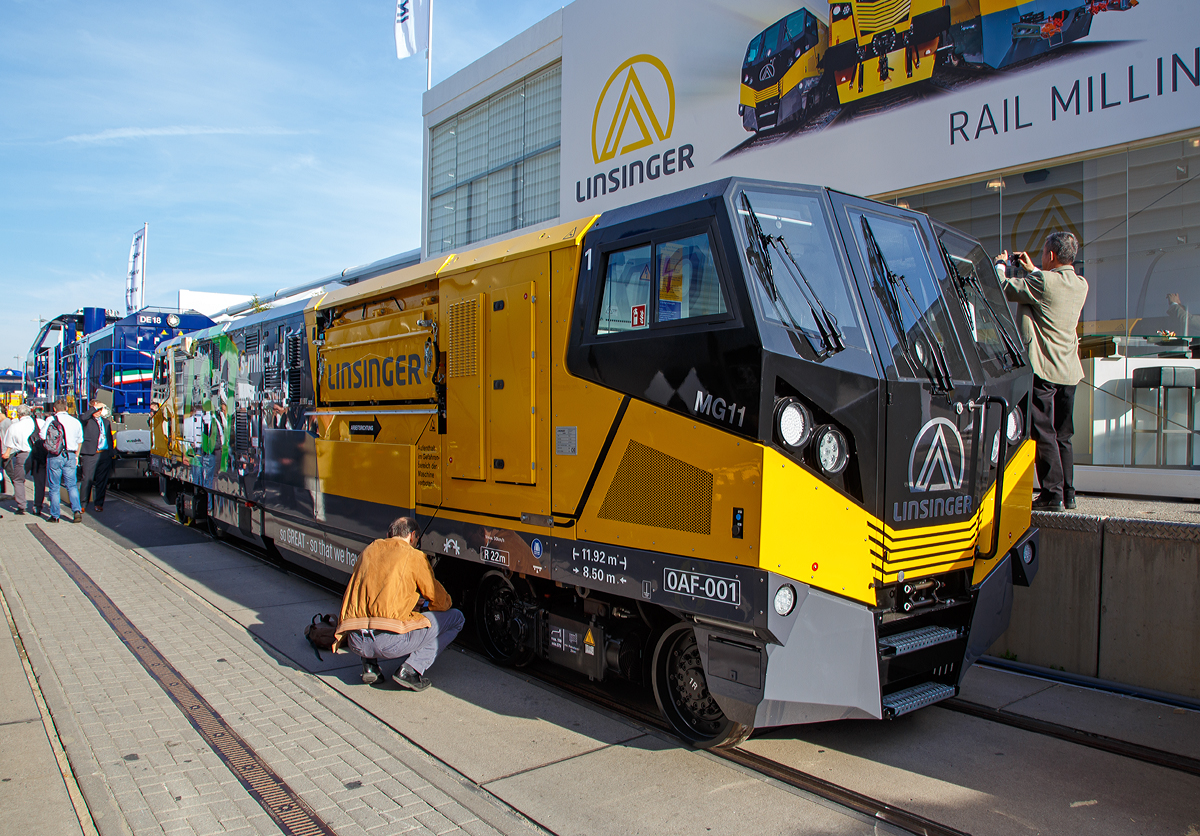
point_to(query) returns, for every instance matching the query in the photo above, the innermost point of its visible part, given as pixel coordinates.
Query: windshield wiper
(827, 324)
(972, 279)
(827, 328)
(939, 374)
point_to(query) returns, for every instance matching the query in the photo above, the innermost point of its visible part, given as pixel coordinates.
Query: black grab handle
(1000, 462)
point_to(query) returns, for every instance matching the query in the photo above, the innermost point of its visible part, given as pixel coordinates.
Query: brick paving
(139, 755)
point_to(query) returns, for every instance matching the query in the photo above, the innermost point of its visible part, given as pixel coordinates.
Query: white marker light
(1027, 553)
(793, 422)
(785, 599)
(1016, 425)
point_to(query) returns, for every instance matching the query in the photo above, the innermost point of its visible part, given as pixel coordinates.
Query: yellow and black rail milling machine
(762, 447)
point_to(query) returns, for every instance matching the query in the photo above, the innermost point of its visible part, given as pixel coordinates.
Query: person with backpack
(35, 462)
(62, 435)
(15, 444)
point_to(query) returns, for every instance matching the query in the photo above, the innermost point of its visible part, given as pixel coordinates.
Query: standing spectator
(1051, 300)
(35, 462)
(5, 421)
(1186, 324)
(15, 442)
(63, 434)
(95, 456)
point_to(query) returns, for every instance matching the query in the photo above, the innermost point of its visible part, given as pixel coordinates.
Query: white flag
(412, 27)
(135, 283)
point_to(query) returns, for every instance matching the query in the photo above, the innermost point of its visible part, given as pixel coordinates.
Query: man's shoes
(371, 672)
(1069, 502)
(99, 508)
(1047, 503)
(78, 518)
(20, 512)
(410, 678)
(52, 520)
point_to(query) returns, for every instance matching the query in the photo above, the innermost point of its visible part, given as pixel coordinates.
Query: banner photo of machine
(868, 97)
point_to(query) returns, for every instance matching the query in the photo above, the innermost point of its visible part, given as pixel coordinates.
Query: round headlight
(1026, 554)
(793, 422)
(173, 320)
(996, 448)
(785, 599)
(832, 451)
(1016, 425)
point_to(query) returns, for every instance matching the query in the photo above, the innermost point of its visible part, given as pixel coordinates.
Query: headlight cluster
(795, 429)
(840, 11)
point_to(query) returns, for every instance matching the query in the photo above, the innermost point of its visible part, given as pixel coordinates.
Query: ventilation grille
(652, 488)
(877, 15)
(464, 339)
(252, 339)
(294, 348)
(241, 430)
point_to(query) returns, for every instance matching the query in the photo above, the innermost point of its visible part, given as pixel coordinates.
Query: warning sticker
(589, 643)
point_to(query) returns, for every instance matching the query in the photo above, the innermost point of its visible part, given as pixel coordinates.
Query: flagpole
(429, 51)
(145, 249)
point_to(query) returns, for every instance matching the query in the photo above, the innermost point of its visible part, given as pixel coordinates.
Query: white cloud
(114, 134)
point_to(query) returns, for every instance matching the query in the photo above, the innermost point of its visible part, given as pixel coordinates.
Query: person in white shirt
(16, 449)
(63, 467)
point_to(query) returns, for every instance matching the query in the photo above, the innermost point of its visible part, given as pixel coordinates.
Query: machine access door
(932, 419)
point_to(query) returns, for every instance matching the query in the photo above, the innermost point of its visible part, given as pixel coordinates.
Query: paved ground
(485, 751)
(1183, 510)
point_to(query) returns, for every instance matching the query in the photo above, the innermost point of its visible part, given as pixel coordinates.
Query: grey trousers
(14, 465)
(420, 646)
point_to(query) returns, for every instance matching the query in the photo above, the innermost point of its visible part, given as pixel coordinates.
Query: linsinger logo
(767, 72)
(945, 458)
(636, 108)
(1049, 212)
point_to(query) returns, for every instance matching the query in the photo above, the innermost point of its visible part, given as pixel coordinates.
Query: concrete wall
(1114, 598)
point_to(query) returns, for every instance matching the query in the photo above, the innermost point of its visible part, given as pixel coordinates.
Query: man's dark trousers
(1053, 426)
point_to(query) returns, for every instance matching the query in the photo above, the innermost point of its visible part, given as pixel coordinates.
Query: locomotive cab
(871, 464)
(782, 75)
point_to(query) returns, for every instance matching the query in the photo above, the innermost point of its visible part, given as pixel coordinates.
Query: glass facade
(1137, 216)
(494, 168)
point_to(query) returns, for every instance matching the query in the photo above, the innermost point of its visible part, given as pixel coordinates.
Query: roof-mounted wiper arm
(756, 252)
(939, 375)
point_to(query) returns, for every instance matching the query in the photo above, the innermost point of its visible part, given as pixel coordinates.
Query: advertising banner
(867, 97)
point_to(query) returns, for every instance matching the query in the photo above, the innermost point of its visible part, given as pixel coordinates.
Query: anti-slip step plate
(919, 696)
(922, 637)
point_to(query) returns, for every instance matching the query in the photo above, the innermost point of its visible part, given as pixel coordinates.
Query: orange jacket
(389, 580)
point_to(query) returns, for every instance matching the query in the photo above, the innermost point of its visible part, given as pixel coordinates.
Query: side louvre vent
(652, 488)
(463, 338)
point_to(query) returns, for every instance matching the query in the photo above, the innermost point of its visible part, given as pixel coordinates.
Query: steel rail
(1103, 743)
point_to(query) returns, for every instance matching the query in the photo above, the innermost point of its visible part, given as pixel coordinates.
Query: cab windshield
(798, 277)
(986, 310)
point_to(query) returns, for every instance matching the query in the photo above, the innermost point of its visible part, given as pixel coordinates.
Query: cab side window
(681, 273)
(625, 304)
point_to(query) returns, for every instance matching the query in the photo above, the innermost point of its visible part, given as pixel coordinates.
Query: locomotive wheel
(683, 696)
(499, 620)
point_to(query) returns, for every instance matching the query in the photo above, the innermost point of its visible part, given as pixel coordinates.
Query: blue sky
(266, 143)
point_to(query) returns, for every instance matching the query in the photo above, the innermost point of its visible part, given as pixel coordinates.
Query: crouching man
(394, 607)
